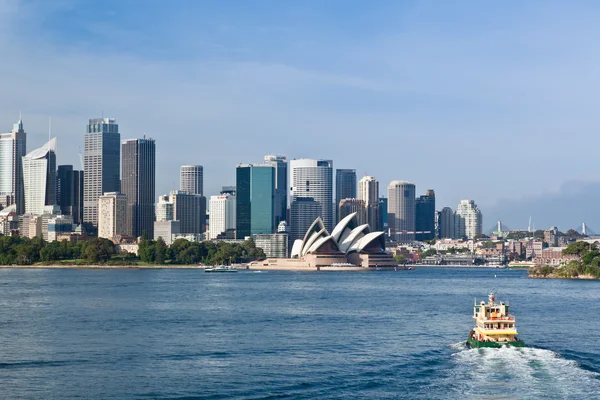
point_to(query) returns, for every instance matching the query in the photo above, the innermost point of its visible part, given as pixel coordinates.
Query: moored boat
(494, 326)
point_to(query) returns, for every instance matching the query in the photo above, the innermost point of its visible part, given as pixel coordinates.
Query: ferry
(221, 268)
(494, 326)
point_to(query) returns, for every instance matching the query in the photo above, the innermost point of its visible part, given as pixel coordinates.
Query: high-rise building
(368, 191)
(349, 206)
(228, 190)
(102, 168)
(12, 151)
(446, 223)
(191, 179)
(255, 200)
(39, 178)
(383, 214)
(189, 210)
(425, 216)
(401, 211)
(281, 186)
(314, 179)
(138, 165)
(112, 215)
(467, 220)
(303, 212)
(222, 214)
(274, 245)
(69, 192)
(164, 209)
(345, 187)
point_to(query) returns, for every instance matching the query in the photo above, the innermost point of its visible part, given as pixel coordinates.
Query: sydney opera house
(348, 244)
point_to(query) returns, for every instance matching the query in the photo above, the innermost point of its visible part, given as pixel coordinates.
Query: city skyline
(471, 80)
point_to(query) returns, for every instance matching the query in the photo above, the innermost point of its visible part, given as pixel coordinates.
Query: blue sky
(492, 102)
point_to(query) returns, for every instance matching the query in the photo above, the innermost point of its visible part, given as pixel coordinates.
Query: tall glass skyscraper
(345, 187)
(425, 216)
(255, 200)
(281, 186)
(138, 183)
(12, 150)
(39, 177)
(314, 179)
(69, 192)
(102, 168)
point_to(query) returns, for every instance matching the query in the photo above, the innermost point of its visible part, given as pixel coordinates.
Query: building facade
(351, 206)
(274, 245)
(425, 216)
(112, 215)
(345, 187)
(383, 215)
(281, 187)
(39, 178)
(446, 223)
(101, 165)
(138, 179)
(69, 192)
(368, 191)
(401, 211)
(222, 215)
(314, 179)
(166, 230)
(12, 151)
(164, 209)
(303, 211)
(189, 210)
(468, 220)
(255, 200)
(191, 179)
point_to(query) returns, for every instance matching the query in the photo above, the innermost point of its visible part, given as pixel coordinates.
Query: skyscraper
(69, 192)
(39, 178)
(255, 200)
(446, 223)
(401, 210)
(303, 212)
(222, 214)
(281, 186)
(314, 179)
(112, 215)
(349, 206)
(425, 216)
(102, 169)
(383, 214)
(368, 191)
(467, 220)
(138, 184)
(191, 179)
(12, 150)
(345, 186)
(190, 210)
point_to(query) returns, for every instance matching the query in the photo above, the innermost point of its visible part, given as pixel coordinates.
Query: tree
(160, 251)
(98, 250)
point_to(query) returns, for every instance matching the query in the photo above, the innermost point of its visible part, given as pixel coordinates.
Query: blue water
(185, 334)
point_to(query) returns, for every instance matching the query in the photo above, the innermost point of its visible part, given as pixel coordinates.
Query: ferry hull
(475, 344)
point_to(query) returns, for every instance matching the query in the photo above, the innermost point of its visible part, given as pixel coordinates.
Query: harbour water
(184, 334)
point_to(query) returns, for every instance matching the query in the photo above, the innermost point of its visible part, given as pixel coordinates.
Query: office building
(425, 216)
(101, 165)
(164, 209)
(255, 200)
(314, 179)
(274, 245)
(222, 215)
(345, 187)
(446, 223)
(69, 192)
(12, 151)
(56, 225)
(401, 211)
(383, 214)
(368, 192)
(112, 215)
(467, 220)
(228, 190)
(189, 210)
(303, 211)
(39, 178)
(191, 179)
(138, 165)
(166, 230)
(281, 186)
(351, 206)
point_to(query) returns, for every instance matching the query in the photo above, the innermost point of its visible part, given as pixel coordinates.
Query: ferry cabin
(493, 322)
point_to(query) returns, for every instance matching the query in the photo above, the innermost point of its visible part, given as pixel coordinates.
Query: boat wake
(522, 373)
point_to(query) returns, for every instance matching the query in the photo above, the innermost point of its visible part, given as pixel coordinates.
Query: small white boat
(221, 268)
